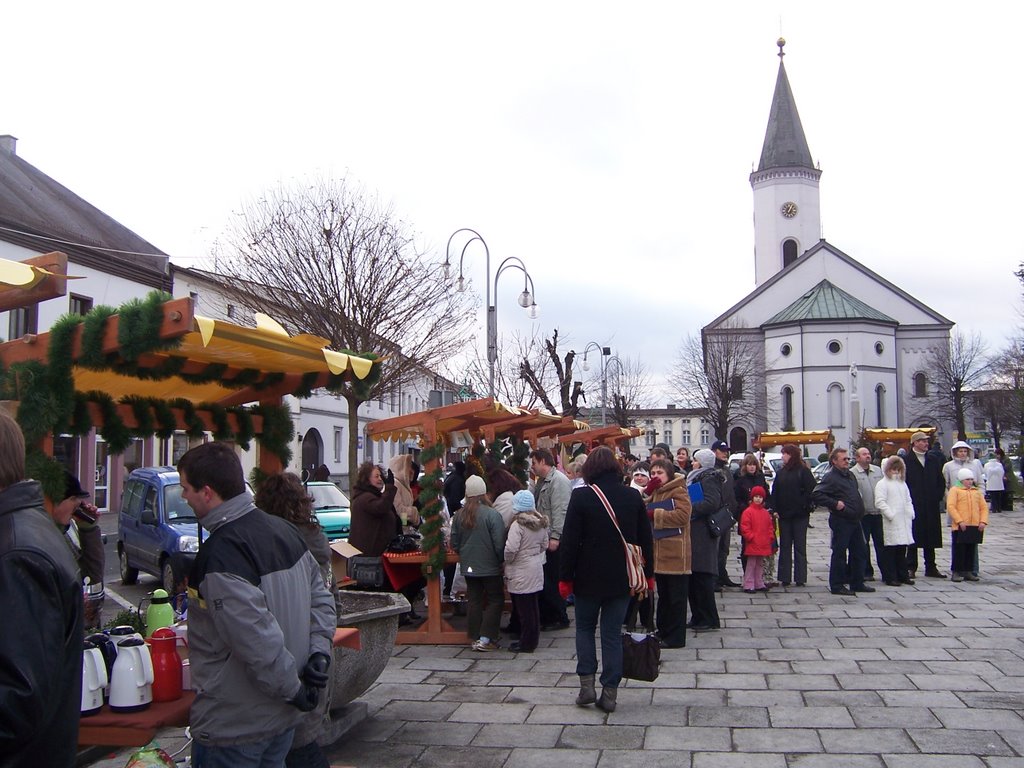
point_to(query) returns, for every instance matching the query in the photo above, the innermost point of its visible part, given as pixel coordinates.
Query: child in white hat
(968, 515)
(525, 551)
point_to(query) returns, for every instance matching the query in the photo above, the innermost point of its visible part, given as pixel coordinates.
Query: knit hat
(757, 490)
(475, 486)
(705, 457)
(965, 474)
(641, 471)
(523, 502)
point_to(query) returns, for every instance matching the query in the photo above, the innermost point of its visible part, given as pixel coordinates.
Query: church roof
(785, 144)
(827, 302)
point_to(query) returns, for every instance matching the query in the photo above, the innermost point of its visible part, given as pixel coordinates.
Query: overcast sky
(608, 145)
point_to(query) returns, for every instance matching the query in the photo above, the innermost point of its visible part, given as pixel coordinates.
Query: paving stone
(753, 682)
(757, 667)
(835, 761)
(651, 714)
(786, 740)
(453, 734)
(890, 667)
(979, 719)
(737, 760)
(402, 676)
(480, 693)
(647, 758)
(673, 680)
(692, 697)
(1015, 738)
(993, 700)
(948, 683)
(527, 678)
(790, 654)
(1007, 684)
(458, 757)
(552, 758)
(502, 735)
(864, 682)
(943, 741)
(842, 699)
(688, 738)
(373, 755)
(917, 654)
(822, 667)
(490, 713)
(411, 711)
(980, 668)
(373, 729)
(895, 717)
(729, 717)
(810, 717)
(441, 664)
(1004, 762)
(919, 699)
(770, 698)
(867, 741)
(933, 761)
(565, 714)
(802, 682)
(857, 654)
(458, 678)
(602, 737)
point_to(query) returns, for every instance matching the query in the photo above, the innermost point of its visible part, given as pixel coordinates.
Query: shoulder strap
(608, 509)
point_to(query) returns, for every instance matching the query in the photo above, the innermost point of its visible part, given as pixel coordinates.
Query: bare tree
(718, 373)
(559, 377)
(629, 388)
(1002, 400)
(509, 385)
(956, 370)
(335, 262)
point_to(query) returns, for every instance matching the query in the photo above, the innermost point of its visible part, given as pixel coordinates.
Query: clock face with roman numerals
(788, 210)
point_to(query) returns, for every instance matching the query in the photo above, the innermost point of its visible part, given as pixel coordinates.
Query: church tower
(787, 204)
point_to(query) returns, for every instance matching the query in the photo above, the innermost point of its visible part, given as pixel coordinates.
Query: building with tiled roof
(841, 347)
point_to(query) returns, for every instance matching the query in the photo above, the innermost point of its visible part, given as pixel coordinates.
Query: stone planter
(375, 615)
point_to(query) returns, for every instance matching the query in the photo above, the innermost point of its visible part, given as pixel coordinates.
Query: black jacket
(728, 492)
(840, 485)
(926, 490)
(791, 492)
(743, 483)
(454, 488)
(590, 551)
(41, 645)
(704, 546)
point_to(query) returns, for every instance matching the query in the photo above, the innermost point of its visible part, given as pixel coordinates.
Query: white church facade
(841, 347)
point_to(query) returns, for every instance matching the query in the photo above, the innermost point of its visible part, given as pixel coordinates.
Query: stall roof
(896, 435)
(804, 437)
(602, 436)
(486, 418)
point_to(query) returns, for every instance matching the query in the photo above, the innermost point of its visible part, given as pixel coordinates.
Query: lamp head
(534, 311)
(460, 284)
(446, 269)
(524, 299)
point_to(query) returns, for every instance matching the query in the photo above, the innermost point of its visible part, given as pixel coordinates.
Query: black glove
(306, 699)
(390, 478)
(315, 671)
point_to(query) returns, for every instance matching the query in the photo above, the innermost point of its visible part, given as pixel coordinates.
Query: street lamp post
(614, 359)
(605, 352)
(526, 298)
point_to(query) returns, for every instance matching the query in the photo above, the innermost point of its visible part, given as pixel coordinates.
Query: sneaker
(957, 577)
(971, 577)
(484, 647)
(749, 591)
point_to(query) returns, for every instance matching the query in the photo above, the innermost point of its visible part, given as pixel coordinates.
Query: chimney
(8, 144)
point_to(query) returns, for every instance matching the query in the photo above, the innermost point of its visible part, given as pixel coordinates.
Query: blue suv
(157, 531)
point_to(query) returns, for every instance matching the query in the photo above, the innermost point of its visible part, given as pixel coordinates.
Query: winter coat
(758, 531)
(867, 479)
(257, 610)
(926, 487)
(374, 520)
(892, 497)
(840, 485)
(41, 645)
(704, 546)
(742, 483)
(590, 553)
(454, 489)
(552, 495)
(525, 553)
(791, 492)
(672, 553)
(995, 475)
(966, 505)
(481, 548)
(401, 468)
(729, 497)
(503, 505)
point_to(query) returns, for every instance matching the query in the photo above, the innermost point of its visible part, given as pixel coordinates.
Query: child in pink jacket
(758, 531)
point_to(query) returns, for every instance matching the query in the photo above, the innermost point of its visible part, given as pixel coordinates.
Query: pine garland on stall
(430, 527)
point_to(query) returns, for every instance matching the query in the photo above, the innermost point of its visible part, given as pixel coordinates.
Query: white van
(771, 463)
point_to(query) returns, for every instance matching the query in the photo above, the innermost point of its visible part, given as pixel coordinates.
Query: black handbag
(720, 522)
(640, 658)
(972, 534)
(405, 542)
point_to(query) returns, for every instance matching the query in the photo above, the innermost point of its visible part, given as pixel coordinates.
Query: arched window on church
(835, 405)
(880, 405)
(920, 385)
(787, 409)
(789, 252)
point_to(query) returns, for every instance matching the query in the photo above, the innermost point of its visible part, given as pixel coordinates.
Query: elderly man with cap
(721, 451)
(77, 519)
(924, 479)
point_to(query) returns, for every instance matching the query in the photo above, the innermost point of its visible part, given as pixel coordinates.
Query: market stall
(801, 438)
(892, 440)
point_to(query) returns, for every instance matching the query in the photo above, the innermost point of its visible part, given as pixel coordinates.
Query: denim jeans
(268, 753)
(849, 551)
(612, 612)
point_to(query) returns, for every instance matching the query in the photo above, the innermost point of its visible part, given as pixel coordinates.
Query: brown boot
(607, 700)
(588, 694)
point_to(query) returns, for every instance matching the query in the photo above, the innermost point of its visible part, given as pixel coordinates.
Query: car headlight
(188, 544)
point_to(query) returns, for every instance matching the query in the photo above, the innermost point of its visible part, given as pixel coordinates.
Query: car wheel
(169, 583)
(129, 575)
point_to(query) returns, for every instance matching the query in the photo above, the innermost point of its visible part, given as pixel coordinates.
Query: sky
(607, 145)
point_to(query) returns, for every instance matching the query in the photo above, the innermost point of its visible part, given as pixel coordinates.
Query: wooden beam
(50, 287)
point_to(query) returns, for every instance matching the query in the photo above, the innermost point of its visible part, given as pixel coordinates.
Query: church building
(841, 347)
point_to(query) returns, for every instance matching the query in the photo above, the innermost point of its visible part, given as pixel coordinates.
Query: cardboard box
(341, 551)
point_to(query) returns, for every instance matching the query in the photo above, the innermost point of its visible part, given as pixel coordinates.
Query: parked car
(332, 509)
(771, 463)
(820, 470)
(157, 531)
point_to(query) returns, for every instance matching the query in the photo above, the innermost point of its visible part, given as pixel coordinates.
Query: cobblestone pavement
(927, 676)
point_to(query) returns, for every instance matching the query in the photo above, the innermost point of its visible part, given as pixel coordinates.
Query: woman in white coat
(525, 550)
(892, 497)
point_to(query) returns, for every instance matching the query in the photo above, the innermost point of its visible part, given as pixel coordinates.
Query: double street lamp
(605, 353)
(526, 298)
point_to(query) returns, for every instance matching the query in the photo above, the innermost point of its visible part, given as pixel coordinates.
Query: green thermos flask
(159, 613)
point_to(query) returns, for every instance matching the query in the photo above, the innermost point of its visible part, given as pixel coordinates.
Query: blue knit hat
(523, 502)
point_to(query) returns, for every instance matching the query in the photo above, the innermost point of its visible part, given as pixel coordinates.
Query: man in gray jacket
(552, 493)
(838, 491)
(868, 475)
(261, 620)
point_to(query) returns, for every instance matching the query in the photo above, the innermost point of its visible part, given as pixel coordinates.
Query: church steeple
(784, 141)
(787, 206)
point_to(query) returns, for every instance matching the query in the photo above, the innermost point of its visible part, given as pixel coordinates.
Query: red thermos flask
(166, 665)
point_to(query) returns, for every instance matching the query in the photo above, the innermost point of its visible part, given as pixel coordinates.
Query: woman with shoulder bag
(791, 501)
(601, 519)
(703, 544)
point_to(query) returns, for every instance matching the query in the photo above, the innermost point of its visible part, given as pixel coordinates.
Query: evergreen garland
(246, 431)
(278, 430)
(61, 381)
(138, 328)
(81, 419)
(113, 429)
(93, 328)
(221, 428)
(194, 426)
(144, 421)
(28, 382)
(430, 513)
(165, 419)
(47, 471)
